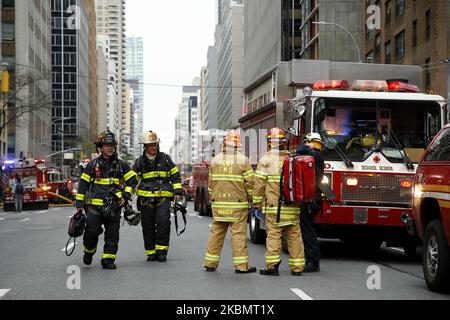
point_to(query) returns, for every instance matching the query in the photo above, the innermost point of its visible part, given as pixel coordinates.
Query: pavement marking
(70, 246)
(301, 294)
(3, 292)
(2, 219)
(25, 220)
(398, 249)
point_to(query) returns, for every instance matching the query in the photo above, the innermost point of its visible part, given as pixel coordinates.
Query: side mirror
(298, 110)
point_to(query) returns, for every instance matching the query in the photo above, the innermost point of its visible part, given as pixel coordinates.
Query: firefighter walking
(230, 190)
(312, 146)
(101, 195)
(160, 183)
(266, 197)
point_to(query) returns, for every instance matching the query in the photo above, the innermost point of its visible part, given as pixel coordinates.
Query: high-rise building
(74, 73)
(268, 29)
(342, 21)
(209, 116)
(135, 78)
(102, 77)
(230, 52)
(413, 33)
(202, 95)
(25, 36)
(111, 21)
(187, 124)
(112, 104)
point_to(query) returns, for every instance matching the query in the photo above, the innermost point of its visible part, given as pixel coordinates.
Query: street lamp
(348, 32)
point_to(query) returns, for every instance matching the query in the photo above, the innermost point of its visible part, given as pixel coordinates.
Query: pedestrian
(266, 197)
(160, 183)
(18, 195)
(101, 195)
(230, 190)
(313, 145)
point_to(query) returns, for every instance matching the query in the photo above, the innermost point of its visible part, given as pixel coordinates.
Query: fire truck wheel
(257, 235)
(196, 200)
(202, 204)
(8, 207)
(436, 258)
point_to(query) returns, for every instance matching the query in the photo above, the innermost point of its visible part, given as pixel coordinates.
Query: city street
(34, 266)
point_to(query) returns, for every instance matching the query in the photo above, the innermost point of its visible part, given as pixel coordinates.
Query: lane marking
(2, 219)
(301, 294)
(25, 220)
(70, 246)
(200, 217)
(397, 249)
(3, 292)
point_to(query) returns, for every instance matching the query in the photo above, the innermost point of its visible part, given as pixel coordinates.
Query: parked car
(431, 210)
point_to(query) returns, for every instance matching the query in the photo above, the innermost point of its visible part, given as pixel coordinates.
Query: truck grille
(377, 189)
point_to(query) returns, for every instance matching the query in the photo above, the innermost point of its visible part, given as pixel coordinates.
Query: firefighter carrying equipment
(266, 196)
(230, 190)
(99, 191)
(150, 137)
(181, 206)
(132, 217)
(159, 182)
(77, 225)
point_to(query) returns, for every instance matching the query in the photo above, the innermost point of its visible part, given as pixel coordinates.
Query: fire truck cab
(32, 174)
(375, 134)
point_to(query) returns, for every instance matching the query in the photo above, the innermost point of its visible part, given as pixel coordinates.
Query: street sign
(68, 156)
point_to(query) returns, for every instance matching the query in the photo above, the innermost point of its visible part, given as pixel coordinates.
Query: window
(369, 57)
(400, 7)
(387, 52)
(377, 43)
(440, 150)
(388, 8)
(400, 44)
(414, 37)
(427, 74)
(9, 32)
(427, 25)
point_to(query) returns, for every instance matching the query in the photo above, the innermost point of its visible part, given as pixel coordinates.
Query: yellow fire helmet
(150, 137)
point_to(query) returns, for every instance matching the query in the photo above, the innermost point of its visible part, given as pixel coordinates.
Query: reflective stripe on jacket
(267, 188)
(230, 185)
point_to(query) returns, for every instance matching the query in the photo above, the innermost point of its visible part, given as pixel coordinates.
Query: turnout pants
(155, 220)
(274, 245)
(238, 243)
(95, 219)
(308, 226)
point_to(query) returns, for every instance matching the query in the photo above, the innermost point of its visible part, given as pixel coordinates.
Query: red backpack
(298, 181)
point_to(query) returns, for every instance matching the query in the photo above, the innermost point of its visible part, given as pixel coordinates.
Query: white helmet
(314, 139)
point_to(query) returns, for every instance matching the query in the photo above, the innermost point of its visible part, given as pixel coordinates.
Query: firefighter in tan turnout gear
(266, 196)
(230, 187)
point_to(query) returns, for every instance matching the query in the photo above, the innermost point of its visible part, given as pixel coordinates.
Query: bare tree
(26, 95)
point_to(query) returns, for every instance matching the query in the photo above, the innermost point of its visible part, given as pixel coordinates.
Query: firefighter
(313, 145)
(230, 190)
(101, 195)
(160, 183)
(266, 197)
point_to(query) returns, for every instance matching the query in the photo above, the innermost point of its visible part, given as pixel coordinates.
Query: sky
(176, 37)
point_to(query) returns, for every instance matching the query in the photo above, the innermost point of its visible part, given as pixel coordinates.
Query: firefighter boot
(87, 258)
(250, 270)
(312, 266)
(162, 257)
(271, 272)
(108, 264)
(151, 257)
(209, 269)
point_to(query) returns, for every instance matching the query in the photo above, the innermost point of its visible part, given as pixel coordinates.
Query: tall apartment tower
(111, 21)
(74, 72)
(330, 41)
(25, 36)
(230, 50)
(209, 112)
(135, 78)
(417, 33)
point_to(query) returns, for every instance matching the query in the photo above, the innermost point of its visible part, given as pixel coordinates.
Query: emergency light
(331, 85)
(370, 85)
(398, 86)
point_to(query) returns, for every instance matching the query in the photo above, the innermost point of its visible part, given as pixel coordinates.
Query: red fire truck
(375, 134)
(32, 174)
